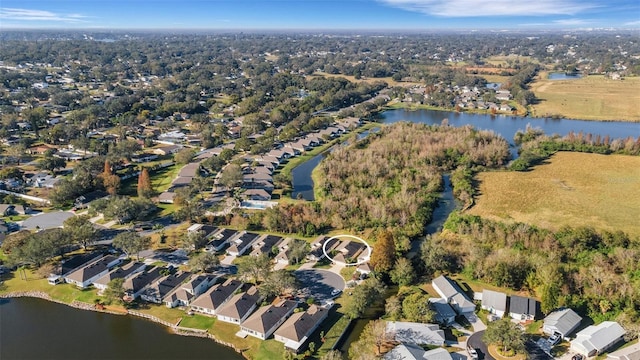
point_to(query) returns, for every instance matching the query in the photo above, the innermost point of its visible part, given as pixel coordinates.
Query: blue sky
(320, 14)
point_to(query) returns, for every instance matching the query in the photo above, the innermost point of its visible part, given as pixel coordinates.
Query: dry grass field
(575, 189)
(351, 78)
(590, 98)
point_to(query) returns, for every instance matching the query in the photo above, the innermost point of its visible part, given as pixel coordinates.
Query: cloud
(632, 23)
(477, 8)
(572, 22)
(38, 15)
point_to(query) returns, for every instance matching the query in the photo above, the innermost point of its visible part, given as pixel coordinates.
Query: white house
(523, 308)
(628, 353)
(495, 302)
(444, 311)
(297, 329)
(187, 292)
(267, 319)
(563, 322)
(416, 333)
(86, 275)
(415, 352)
(595, 340)
(451, 292)
(122, 272)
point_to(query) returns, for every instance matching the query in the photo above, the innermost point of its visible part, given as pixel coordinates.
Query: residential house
(167, 150)
(85, 276)
(523, 309)
(563, 322)
(348, 252)
(208, 231)
(39, 150)
(143, 157)
(628, 353)
(265, 245)
(451, 292)
(156, 291)
(444, 313)
(415, 352)
(416, 333)
(241, 243)
(122, 272)
(267, 319)
(240, 306)
(190, 170)
(135, 285)
(187, 292)
(220, 240)
(78, 261)
(364, 268)
(495, 302)
(299, 327)
(316, 253)
(83, 201)
(257, 195)
(166, 197)
(214, 298)
(594, 340)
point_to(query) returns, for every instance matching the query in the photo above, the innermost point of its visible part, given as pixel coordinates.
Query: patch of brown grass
(589, 98)
(574, 189)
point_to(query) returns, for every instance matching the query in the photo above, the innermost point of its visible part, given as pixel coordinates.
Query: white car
(335, 292)
(554, 339)
(473, 354)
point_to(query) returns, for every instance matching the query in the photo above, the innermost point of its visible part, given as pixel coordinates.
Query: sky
(320, 14)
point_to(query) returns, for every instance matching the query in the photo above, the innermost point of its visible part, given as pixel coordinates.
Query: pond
(563, 76)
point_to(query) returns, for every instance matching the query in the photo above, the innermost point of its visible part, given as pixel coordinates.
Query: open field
(590, 98)
(495, 78)
(388, 80)
(575, 189)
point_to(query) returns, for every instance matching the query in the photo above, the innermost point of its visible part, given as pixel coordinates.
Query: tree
(364, 295)
(145, 188)
(115, 291)
(393, 308)
(506, 335)
(194, 240)
(130, 243)
(50, 163)
(384, 252)
(278, 282)
(254, 269)
(184, 156)
(231, 176)
(80, 230)
(204, 262)
(110, 181)
(332, 355)
(298, 250)
(402, 272)
(415, 308)
(372, 339)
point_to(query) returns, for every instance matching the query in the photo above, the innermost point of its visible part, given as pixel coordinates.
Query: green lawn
(198, 321)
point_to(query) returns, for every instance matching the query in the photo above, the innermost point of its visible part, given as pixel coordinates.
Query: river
(38, 329)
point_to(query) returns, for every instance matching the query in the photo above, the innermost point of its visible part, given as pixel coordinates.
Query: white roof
(597, 338)
(416, 333)
(629, 353)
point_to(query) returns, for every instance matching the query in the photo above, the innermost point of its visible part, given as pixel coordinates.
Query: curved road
(475, 341)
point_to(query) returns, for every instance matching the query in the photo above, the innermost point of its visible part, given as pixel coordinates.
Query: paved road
(319, 283)
(475, 341)
(535, 352)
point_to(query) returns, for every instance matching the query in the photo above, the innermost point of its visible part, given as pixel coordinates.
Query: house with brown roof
(299, 327)
(214, 298)
(188, 291)
(122, 272)
(240, 306)
(257, 195)
(85, 276)
(267, 319)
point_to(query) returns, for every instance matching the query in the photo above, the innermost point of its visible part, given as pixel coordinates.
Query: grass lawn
(575, 189)
(592, 97)
(162, 312)
(495, 78)
(198, 321)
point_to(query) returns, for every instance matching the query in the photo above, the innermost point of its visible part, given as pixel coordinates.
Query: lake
(505, 125)
(38, 329)
(563, 76)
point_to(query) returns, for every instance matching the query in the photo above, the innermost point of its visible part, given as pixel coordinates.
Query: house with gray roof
(85, 276)
(416, 333)
(156, 291)
(453, 294)
(216, 297)
(220, 239)
(184, 294)
(594, 340)
(267, 319)
(444, 313)
(242, 243)
(523, 308)
(295, 332)
(240, 306)
(265, 244)
(415, 352)
(563, 322)
(135, 285)
(495, 302)
(122, 272)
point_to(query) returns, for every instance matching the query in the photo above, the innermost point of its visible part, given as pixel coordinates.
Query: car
(335, 292)
(554, 339)
(577, 357)
(473, 354)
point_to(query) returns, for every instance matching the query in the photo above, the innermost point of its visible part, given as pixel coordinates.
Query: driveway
(475, 341)
(319, 283)
(536, 352)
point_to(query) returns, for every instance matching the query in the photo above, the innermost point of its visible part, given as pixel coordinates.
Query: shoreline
(175, 328)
